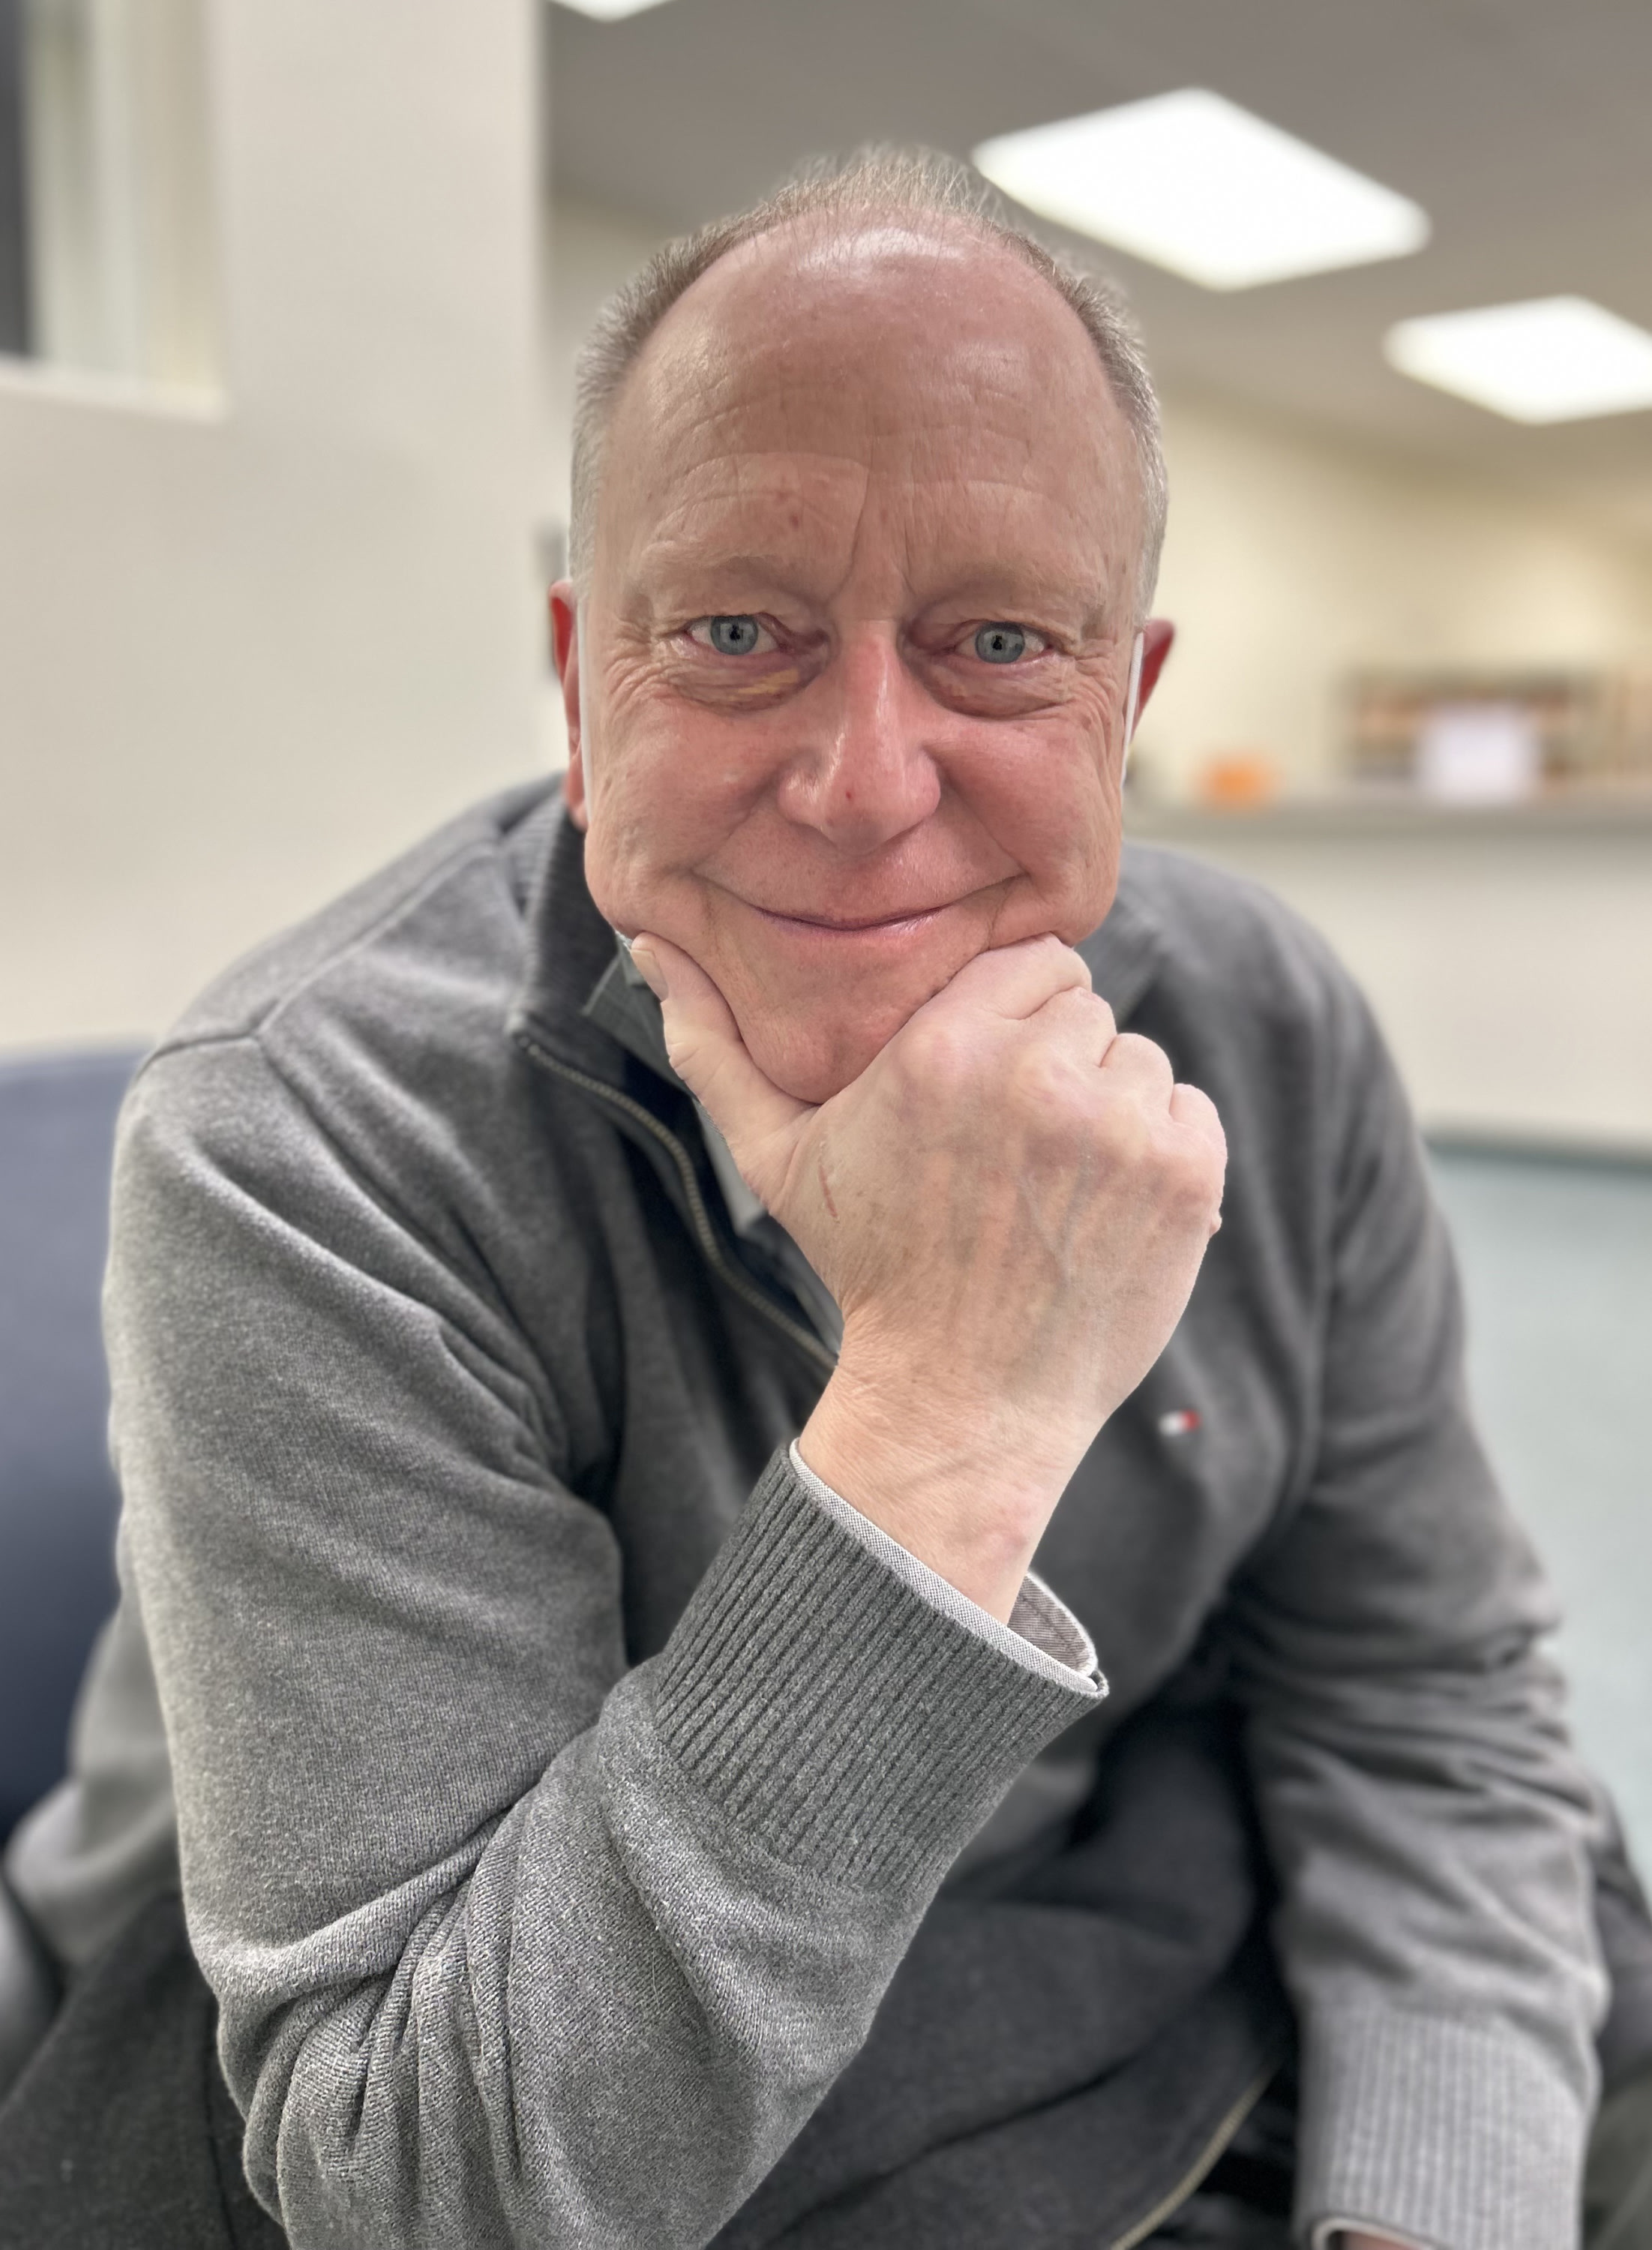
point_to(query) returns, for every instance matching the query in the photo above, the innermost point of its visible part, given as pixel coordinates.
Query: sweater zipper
(1203, 2164)
(704, 1232)
(705, 1235)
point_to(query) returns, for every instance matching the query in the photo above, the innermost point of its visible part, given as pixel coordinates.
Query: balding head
(823, 214)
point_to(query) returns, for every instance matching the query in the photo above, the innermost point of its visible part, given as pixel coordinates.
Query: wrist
(959, 1486)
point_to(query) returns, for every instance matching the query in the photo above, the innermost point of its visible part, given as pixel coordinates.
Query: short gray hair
(875, 182)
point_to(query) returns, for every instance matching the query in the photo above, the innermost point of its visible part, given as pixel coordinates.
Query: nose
(866, 772)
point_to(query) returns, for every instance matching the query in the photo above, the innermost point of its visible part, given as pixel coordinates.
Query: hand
(1010, 1205)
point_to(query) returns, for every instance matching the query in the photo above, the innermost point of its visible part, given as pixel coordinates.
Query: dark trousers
(121, 2134)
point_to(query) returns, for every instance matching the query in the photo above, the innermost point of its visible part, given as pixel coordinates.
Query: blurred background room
(289, 298)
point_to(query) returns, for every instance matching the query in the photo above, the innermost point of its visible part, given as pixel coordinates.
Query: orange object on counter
(1237, 778)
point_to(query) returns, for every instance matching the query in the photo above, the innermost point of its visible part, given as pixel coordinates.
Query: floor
(1557, 1265)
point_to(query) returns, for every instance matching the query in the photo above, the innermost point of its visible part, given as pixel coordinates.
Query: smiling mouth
(850, 925)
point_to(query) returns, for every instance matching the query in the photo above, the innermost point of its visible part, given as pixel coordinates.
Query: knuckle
(1099, 1018)
(1133, 1047)
(684, 1051)
(937, 1055)
(1042, 1081)
(1070, 964)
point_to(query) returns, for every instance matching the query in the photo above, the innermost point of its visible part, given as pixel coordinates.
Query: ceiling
(1523, 126)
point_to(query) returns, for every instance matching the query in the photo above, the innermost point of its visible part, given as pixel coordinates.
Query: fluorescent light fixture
(1192, 182)
(1554, 359)
(609, 11)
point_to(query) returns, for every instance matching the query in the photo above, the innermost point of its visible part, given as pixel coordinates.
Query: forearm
(1434, 1932)
(611, 2018)
(1427, 1820)
(956, 1484)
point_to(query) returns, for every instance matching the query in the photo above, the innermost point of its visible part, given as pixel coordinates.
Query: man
(564, 1797)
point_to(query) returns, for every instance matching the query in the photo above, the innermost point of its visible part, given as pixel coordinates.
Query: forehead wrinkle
(948, 518)
(737, 482)
(734, 479)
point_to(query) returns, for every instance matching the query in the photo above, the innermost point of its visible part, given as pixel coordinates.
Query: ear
(1157, 636)
(565, 650)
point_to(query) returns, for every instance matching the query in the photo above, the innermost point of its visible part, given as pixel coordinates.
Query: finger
(1190, 1107)
(1144, 1068)
(1015, 980)
(1079, 1022)
(756, 1119)
(1194, 1109)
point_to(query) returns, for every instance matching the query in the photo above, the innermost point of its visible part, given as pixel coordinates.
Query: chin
(811, 1061)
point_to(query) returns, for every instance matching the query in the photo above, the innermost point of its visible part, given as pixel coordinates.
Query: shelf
(1584, 814)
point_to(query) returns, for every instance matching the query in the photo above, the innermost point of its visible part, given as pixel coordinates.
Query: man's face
(857, 634)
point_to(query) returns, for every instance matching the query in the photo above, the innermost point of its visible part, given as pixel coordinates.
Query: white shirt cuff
(1329, 2232)
(1042, 1634)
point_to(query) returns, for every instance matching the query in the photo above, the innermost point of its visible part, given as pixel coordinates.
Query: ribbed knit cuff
(1453, 2135)
(858, 1731)
(1042, 1631)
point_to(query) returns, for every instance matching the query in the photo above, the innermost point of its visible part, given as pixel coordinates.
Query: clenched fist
(1010, 1204)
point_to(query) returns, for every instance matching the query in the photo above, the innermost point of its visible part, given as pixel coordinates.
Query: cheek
(644, 785)
(664, 794)
(1048, 801)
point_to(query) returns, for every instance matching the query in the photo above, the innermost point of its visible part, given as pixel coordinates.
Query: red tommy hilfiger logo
(1178, 1422)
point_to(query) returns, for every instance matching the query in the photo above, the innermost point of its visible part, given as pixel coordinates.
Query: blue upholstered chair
(57, 1500)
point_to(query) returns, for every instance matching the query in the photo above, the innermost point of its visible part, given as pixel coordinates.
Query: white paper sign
(1479, 753)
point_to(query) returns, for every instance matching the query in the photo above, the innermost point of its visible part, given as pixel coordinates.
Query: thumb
(758, 1121)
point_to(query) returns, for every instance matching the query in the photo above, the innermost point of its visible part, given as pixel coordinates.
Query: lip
(827, 928)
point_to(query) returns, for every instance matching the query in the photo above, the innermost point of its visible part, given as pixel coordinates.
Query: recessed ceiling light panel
(1554, 359)
(609, 11)
(1191, 182)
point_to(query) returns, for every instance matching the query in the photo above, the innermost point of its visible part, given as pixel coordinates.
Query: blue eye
(1000, 644)
(733, 636)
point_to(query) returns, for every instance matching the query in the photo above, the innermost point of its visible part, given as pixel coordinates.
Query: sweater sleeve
(1430, 1828)
(512, 1944)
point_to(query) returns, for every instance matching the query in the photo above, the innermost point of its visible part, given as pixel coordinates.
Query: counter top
(1341, 817)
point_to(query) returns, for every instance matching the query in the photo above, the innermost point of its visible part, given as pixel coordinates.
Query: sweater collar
(569, 954)
(1123, 954)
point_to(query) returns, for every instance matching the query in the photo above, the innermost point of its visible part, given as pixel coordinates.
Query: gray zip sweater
(559, 1788)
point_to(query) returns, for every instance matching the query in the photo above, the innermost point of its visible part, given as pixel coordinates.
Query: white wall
(247, 651)
(1510, 958)
(1508, 955)
(1290, 561)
